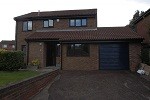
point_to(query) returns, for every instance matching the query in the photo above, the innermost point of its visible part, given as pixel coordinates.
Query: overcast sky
(110, 12)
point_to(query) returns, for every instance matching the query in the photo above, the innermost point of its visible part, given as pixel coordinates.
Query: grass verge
(15, 76)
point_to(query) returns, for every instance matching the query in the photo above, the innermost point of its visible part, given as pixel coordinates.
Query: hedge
(11, 60)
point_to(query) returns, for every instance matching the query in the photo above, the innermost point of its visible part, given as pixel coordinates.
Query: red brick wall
(37, 50)
(38, 25)
(92, 62)
(134, 55)
(64, 24)
(81, 63)
(28, 88)
(20, 37)
(143, 28)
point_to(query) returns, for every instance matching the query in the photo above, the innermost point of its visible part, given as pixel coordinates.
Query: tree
(135, 16)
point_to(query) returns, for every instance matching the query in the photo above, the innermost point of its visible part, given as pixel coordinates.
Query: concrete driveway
(99, 85)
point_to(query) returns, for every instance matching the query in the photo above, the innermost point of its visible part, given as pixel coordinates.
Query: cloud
(142, 1)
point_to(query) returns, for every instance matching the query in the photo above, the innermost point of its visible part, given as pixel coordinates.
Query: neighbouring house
(141, 25)
(71, 39)
(7, 45)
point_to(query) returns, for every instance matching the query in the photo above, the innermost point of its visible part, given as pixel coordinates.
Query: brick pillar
(134, 56)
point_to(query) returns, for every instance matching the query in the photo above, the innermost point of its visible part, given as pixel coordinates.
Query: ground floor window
(78, 50)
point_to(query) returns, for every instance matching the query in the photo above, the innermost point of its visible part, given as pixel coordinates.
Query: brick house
(71, 39)
(142, 26)
(7, 45)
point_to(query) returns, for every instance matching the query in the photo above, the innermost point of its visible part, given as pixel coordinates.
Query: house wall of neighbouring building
(81, 63)
(134, 55)
(10, 45)
(143, 28)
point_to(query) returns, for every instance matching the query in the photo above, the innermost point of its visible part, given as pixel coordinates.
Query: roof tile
(102, 33)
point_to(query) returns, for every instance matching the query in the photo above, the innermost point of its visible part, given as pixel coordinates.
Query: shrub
(35, 62)
(11, 60)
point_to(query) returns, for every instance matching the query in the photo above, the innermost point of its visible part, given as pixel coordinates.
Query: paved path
(99, 85)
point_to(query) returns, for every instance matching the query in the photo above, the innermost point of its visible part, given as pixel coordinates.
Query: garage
(114, 56)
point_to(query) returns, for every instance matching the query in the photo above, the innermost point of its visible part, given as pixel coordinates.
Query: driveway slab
(99, 85)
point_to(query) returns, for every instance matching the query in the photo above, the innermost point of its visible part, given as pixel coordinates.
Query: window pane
(46, 23)
(77, 46)
(78, 22)
(25, 26)
(50, 22)
(84, 22)
(13, 46)
(5, 46)
(78, 50)
(29, 25)
(85, 49)
(70, 50)
(72, 22)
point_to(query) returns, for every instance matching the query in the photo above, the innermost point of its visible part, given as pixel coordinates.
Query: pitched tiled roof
(102, 33)
(8, 42)
(58, 13)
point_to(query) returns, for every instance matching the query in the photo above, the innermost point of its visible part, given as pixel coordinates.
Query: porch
(48, 53)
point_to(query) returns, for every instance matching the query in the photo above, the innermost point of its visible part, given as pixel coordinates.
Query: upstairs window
(84, 22)
(78, 22)
(48, 23)
(72, 22)
(78, 50)
(27, 26)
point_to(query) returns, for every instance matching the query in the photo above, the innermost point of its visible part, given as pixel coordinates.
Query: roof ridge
(66, 10)
(58, 13)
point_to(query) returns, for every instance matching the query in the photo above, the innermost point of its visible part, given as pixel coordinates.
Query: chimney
(38, 12)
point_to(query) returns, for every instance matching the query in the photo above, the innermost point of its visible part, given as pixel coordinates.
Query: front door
(51, 54)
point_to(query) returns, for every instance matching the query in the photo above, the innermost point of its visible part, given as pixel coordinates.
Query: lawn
(12, 77)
